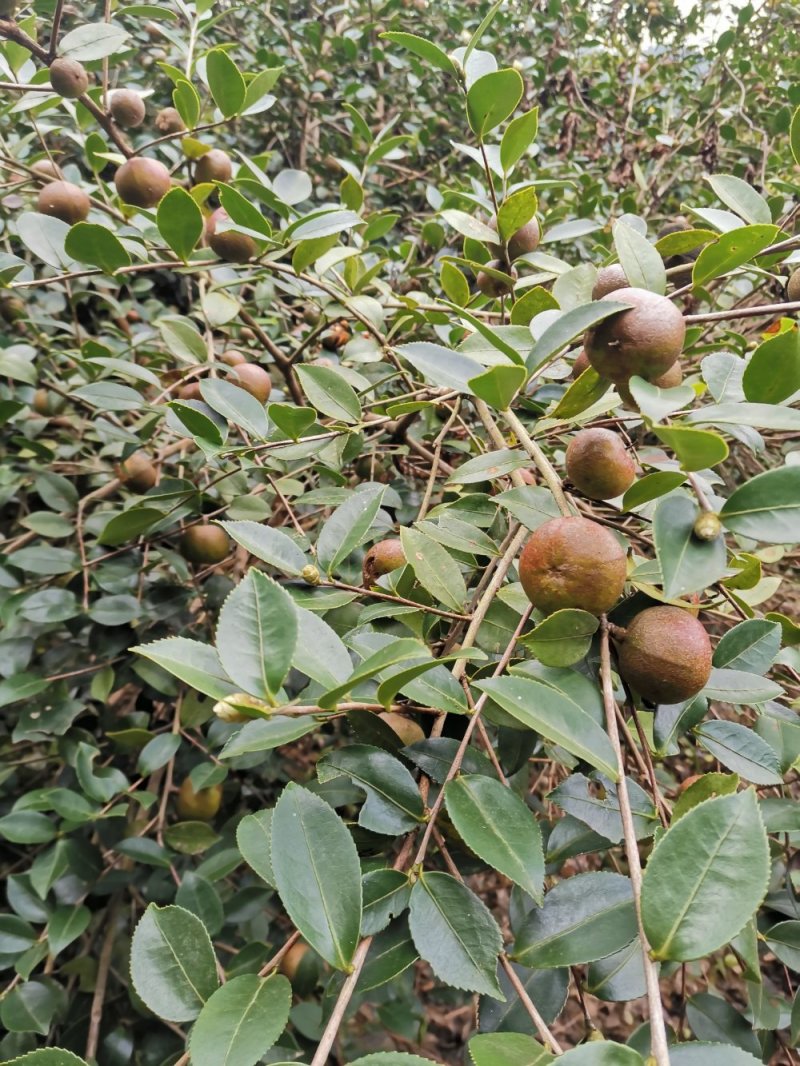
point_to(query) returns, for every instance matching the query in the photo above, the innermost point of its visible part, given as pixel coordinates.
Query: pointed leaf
(241, 1021)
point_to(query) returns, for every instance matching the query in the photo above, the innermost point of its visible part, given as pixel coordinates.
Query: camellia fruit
(599, 465)
(204, 544)
(665, 655)
(68, 78)
(382, 558)
(253, 379)
(645, 340)
(142, 182)
(62, 199)
(200, 806)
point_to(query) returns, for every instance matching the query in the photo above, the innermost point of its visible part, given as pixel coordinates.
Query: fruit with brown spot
(382, 558)
(68, 78)
(665, 655)
(62, 199)
(644, 340)
(406, 729)
(229, 245)
(599, 465)
(142, 182)
(138, 472)
(200, 806)
(609, 279)
(253, 379)
(127, 108)
(213, 166)
(204, 544)
(573, 562)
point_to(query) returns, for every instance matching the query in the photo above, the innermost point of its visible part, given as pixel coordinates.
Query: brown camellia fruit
(382, 558)
(142, 182)
(665, 655)
(573, 562)
(127, 108)
(232, 357)
(673, 377)
(645, 340)
(793, 286)
(253, 379)
(522, 242)
(168, 120)
(406, 729)
(190, 391)
(229, 245)
(609, 279)
(200, 806)
(204, 544)
(490, 285)
(62, 199)
(47, 403)
(138, 472)
(47, 169)
(68, 78)
(213, 166)
(599, 465)
(581, 363)
(290, 963)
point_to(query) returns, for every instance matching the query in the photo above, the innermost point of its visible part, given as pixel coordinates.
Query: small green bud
(707, 526)
(310, 575)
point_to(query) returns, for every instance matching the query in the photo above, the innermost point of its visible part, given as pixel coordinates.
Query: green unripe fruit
(609, 279)
(62, 199)
(200, 806)
(68, 78)
(573, 562)
(127, 108)
(382, 558)
(204, 544)
(599, 465)
(665, 655)
(142, 182)
(644, 340)
(213, 166)
(12, 308)
(47, 403)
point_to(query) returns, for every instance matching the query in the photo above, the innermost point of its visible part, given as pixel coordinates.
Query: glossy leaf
(393, 803)
(241, 1021)
(766, 508)
(687, 563)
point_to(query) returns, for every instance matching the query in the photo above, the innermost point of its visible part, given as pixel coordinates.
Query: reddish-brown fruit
(62, 199)
(645, 340)
(668, 380)
(213, 166)
(793, 286)
(127, 108)
(12, 308)
(609, 279)
(198, 806)
(68, 78)
(573, 562)
(581, 363)
(142, 182)
(493, 286)
(599, 465)
(406, 729)
(204, 544)
(523, 242)
(229, 245)
(253, 379)
(168, 120)
(665, 655)
(232, 357)
(382, 558)
(47, 169)
(190, 391)
(138, 472)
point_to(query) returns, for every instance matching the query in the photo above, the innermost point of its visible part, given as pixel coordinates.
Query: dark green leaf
(241, 1021)
(180, 221)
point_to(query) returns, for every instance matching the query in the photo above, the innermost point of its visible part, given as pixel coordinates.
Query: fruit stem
(658, 1032)
(545, 467)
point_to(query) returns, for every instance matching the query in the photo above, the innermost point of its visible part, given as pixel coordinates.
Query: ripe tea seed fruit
(665, 655)
(382, 558)
(644, 340)
(599, 465)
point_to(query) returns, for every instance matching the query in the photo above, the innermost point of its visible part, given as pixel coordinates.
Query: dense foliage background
(215, 850)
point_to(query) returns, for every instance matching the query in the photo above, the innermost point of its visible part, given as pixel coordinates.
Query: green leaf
(489, 466)
(390, 954)
(237, 405)
(190, 838)
(180, 221)
(32, 1006)
(741, 750)
(50, 1056)
(187, 102)
(90, 243)
(773, 372)
(455, 933)
(697, 449)
(391, 1058)
(531, 303)
(568, 326)
(656, 403)
(426, 50)
(739, 686)
(434, 568)
(581, 395)
(272, 546)
(439, 365)
(784, 940)
(651, 487)
(515, 211)
(195, 663)
(396, 651)
(498, 385)
(290, 419)
(687, 563)
(455, 285)
(393, 804)
(603, 1053)
(266, 734)
(241, 1021)
(697, 1054)
(500, 828)
(27, 827)
(386, 895)
(225, 82)
(347, 527)
(329, 393)
(517, 138)
(596, 803)
(468, 226)
(322, 224)
(320, 653)
(767, 507)
(759, 415)
(492, 98)
(173, 968)
(254, 840)
(752, 646)
(65, 925)
(317, 874)
(731, 250)
(643, 266)
(257, 634)
(551, 712)
(583, 918)
(563, 638)
(741, 197)
(508, 1049)
(705, 878)
(95, 40)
